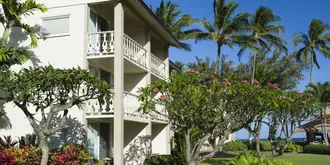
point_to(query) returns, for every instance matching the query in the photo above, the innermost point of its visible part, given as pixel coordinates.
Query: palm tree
(13, 11)
(224, 31)
(201, 65)
(316, 39)
(168, 15)
(321, 91)
(264, 34)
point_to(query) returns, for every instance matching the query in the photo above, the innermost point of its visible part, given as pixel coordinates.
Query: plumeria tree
(47, 92)
(203, 102)
(292, 108)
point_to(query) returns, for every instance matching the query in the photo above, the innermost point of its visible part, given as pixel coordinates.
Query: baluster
(111, 43)
(105, 43)
(98, 44)
(90, 47)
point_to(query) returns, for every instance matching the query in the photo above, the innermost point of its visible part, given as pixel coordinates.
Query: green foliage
(163, 160)
(168, 14)
(25, 155)
(70, 154)
(250, 158)
(317, 149)
(235, 146)
(294, 148)
(30, 141)
(7, 142)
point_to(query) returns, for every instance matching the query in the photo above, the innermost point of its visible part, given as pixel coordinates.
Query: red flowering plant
(204, 102)
(6, 158)
(25, 155)
(70, 154)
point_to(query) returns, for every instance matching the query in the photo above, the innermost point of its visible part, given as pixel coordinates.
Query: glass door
(93, 139)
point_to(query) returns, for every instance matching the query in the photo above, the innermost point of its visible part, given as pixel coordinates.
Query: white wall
(60, 3)
(160, 142)
(136, 142)
(62, 52)
(134, 81)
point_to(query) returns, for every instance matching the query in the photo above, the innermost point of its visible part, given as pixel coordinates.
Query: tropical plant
(265, 31)
(201, 65)
(7, 142)
(70, 154)
(11, 16)
(224, 31)
(321, 92)
(315, 40)
(54, 90)
(203, 102)
(168, 15)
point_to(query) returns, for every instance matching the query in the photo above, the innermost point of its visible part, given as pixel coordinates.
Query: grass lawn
(298, 159)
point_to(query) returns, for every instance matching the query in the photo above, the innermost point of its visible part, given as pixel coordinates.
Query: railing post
(119, 87)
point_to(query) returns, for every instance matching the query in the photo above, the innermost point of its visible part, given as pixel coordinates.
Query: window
(58, 25)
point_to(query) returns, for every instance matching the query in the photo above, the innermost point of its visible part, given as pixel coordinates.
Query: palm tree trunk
(325, 134)
(311, 69)
(216, 70)
(254, 67)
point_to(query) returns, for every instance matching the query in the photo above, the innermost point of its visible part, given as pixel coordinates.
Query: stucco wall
(134, 81)
(159, 143)
(62, 52)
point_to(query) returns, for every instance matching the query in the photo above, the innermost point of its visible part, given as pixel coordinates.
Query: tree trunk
(311, 69)
(44, 149)
(254, 67)
(257, 137)
(217, 63)
(325, 133)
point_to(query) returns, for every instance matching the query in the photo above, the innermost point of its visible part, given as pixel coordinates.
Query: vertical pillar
(167, 61)
(147, 47)
(119, 84)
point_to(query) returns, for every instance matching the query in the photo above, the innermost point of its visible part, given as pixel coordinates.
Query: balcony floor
(107, 63)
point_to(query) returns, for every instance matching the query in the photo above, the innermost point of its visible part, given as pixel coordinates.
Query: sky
(296, 16)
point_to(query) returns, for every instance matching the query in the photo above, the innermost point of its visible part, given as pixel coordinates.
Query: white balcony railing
(134, 52)
(101, 43)
(158, 67)
(131, 105)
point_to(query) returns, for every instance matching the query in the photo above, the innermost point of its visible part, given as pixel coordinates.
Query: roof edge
(145, 6)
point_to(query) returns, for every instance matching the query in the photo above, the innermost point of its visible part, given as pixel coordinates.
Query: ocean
(293, 139)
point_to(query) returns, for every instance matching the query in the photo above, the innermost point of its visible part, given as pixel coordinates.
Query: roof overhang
(150, 17)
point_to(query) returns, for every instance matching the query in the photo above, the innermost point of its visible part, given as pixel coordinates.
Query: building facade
(123, 43)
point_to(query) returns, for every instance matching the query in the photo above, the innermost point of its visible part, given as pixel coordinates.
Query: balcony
(131, 104)
(101, 45)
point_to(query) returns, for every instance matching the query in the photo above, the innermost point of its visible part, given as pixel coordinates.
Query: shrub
(70, 154)
(7, 142)
(235, 146)
(5, 158)
(294, 148)
(250, 158)
(25, 155)
(163, 160)
(317, 149)
(300, 143)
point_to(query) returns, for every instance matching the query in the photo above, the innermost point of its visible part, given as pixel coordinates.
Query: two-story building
(122, 42)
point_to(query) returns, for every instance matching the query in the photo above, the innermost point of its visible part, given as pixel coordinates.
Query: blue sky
(296, 16)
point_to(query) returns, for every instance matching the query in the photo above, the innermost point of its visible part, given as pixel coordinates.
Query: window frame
(67, 16)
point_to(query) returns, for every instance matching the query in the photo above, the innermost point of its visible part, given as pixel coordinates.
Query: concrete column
(147, 46)
(167, 61)
(119, 85)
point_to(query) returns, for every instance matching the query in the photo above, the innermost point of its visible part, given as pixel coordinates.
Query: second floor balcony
(131, 105)
(101, 45)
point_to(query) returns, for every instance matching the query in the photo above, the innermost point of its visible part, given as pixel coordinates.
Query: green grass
(298, 159)
(306, 159)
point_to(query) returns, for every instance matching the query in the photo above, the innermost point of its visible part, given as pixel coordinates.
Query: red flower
(244, 82)
(256, 81)
(269, 84)
(198, 73)
(213, 76)
(275, 85)
(156, 90)
(220, 108)
(257, 87)
(228, 83)
(298, 92)
(163, 97)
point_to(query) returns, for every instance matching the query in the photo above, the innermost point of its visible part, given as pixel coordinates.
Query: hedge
(235, 146)
(317, 149)
(294, 148)
(173, 159)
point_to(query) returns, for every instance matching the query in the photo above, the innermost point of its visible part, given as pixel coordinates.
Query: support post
(119, 84)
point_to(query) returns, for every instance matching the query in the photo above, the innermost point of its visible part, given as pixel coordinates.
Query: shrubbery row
(264, 146)
(317, 149)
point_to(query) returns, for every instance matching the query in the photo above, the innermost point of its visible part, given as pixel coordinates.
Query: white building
(126, 45)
